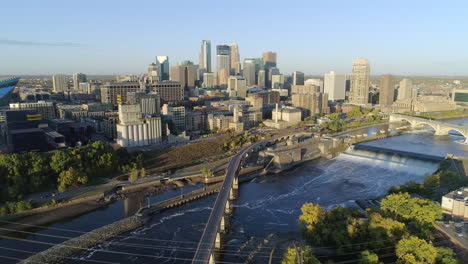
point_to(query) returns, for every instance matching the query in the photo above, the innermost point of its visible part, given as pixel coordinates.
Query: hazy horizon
(417, 38)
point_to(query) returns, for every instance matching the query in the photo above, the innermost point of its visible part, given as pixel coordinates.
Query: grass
(185, 154)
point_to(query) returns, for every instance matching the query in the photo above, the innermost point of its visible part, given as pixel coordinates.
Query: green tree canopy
(300, 255)
(368, 257)
(446, 256)
(413, 250)
(71, 178)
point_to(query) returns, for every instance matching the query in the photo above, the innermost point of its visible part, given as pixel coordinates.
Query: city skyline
(419, 39)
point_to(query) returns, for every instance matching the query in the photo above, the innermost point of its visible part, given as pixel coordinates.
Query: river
(265, 205)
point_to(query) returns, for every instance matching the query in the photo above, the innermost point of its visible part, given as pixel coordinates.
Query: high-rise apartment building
(235, 59)
(387, 90)
(405, 89)
(176, 116)
(335, 85)
(60, 83)
(163, 65)
(360, 81)
(249, 71)
(205, 55)
(298, 78)
(77, 79)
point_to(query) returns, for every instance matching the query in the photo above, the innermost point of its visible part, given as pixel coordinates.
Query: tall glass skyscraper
(205, 55)
(360, 81)
(223, 63)
(163, 64)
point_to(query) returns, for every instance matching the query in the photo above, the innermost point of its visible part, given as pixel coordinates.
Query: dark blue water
(265, 205)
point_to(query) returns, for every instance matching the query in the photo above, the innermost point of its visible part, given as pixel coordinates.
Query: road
(206, 246)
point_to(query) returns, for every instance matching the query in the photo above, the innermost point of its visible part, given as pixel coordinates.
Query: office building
(223, 69)
(60, 83)
(186, 75)
(153, 73)
(277, 81)
(249, 72)
(116, 93)
(298, 78)
(150, 103)
(269, 59)
(261, 81)
(237, 87)
(45, 109)
(163, 67)
(209, 80)
(405, 89)
(268, 97)
(77, 79)
(175, 116)
(205, 55)
(335, 85)
(235, 59)
(22, 130)
(284, 117)
(360, 81)
(168, 91)
(271, 71)
(387, 90)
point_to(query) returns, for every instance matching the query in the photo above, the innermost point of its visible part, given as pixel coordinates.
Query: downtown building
(60, 83)
(116, 93)
(223, 64)
(335, 86)
(387, 90)
(205, 56)
(360, 82)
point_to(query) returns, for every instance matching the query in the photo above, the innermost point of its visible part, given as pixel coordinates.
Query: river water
(265, 205)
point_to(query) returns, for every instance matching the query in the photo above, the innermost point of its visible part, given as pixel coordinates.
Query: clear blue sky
(408, 37)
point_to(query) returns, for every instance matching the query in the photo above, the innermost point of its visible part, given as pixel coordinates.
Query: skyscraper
(235, 59)
(153, 73)
(205, 55)
(360, 81)
(223, 63)
(405, 89)
(163, 64)
(269, 59)
(298, 78)
(387, 90)
(60, 83)
(186, 76)
(237, 87)
(249, 71)
(261, 79)
(77, 79)
(335, 85)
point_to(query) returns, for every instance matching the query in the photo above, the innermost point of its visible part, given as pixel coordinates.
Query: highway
(206, 246)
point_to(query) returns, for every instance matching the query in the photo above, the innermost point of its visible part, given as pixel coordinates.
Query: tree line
(403, 227)
(26, 173)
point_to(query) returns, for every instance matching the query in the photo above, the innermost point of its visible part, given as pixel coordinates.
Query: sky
(410, 37)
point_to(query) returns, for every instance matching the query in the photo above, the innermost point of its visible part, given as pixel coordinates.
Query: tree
(142, 173)
(312, 214)
(71, 178)
(368, 257)
(423, 212)
(334, 117)
(300, 255)
(354, 113)
(133, 176)
(446, 256)
(413, 250)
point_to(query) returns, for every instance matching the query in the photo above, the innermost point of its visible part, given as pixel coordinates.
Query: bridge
(440, 128)
(216, 226)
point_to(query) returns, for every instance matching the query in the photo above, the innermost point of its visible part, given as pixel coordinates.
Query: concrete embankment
(58, 253)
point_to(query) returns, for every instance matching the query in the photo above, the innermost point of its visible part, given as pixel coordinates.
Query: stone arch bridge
(440, 128)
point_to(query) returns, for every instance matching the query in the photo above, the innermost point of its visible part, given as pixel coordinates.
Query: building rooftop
(460, 194)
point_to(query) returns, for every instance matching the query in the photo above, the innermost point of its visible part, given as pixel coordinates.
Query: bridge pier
(233, 194)
(227, 208)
